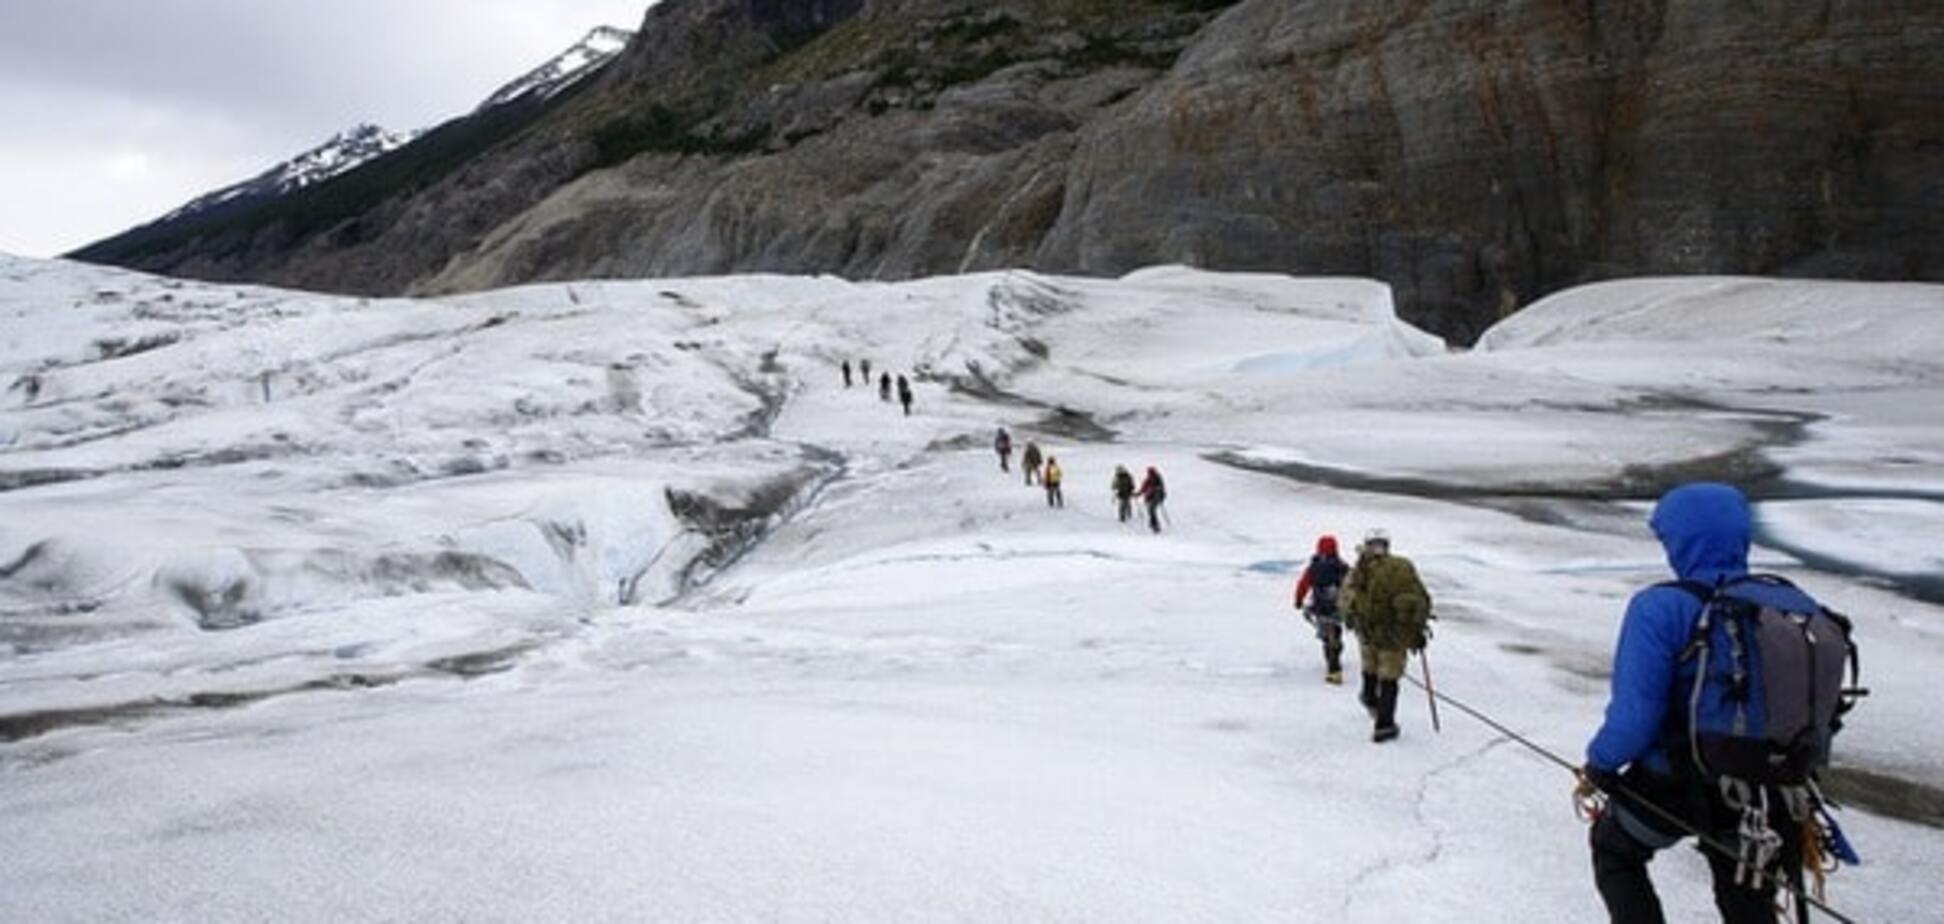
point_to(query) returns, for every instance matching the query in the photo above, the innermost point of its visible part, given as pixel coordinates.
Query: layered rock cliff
(1476, 154)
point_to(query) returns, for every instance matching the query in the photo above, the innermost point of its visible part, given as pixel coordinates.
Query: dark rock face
(914, 137)
(1476, 154)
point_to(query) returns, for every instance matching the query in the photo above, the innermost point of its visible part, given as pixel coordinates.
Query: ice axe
(1430, 692)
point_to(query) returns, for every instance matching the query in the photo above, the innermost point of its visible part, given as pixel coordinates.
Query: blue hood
(1705, 529)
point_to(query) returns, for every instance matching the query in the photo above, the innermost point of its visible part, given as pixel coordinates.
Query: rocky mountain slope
(1476, 154)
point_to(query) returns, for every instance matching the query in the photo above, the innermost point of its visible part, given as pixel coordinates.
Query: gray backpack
(1765, 682)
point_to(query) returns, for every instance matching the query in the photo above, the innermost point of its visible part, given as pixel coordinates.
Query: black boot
(1386, 712)
(1368, 695)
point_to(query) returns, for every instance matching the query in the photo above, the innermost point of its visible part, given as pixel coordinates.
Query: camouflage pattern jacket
(1387, 604)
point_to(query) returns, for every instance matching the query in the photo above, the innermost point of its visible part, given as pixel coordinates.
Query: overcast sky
(114, 112)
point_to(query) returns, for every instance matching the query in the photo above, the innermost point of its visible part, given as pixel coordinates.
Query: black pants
(1125, 504)
(1379, 698)
(1154, 516)
(1053, 496)
(1332, 633)
(1005, 461)
(1620, 857)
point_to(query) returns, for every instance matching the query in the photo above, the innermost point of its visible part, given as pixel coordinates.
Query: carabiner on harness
(1757, 843)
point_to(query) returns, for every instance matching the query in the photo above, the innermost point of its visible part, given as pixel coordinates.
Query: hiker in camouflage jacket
(1389, 610)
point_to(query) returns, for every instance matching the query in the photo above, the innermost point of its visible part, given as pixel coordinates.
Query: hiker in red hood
(1324, 575)
(1154, 492)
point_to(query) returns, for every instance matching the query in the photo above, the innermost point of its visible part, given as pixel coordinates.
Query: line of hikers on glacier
(1044, 469)
(1040, 468)
(884, 384)
(1727, 691)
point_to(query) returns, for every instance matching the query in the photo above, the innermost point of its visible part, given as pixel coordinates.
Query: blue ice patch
(1368, 348)
(1274, 566)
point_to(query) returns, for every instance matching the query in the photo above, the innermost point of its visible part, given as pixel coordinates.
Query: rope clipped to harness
(1799, 895)
(1589, 801)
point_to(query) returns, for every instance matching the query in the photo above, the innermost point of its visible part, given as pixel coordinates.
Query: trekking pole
(1430, 692)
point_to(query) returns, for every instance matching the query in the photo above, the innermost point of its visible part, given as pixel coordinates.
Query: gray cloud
(117, 111)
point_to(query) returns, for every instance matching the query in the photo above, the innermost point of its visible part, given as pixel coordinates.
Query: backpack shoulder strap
(1699, 591)
(1705, 593)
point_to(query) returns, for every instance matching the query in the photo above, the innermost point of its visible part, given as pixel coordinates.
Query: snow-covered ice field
(608, 601)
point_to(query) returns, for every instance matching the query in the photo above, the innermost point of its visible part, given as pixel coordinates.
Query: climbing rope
(1794, 891)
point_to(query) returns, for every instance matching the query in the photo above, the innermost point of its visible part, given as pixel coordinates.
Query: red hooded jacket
(1326, 547)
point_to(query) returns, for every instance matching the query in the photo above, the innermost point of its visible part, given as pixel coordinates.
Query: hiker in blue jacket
(1705, 529)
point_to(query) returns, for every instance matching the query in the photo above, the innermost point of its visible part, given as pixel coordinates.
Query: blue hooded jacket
(1705, 529)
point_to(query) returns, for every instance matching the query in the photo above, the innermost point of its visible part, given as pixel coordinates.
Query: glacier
(609, 601)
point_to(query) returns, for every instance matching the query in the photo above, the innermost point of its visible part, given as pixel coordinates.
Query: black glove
(1591, 790)
(1605, 781)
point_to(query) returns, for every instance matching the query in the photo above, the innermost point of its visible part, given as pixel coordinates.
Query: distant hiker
(864, 366)
(1324, 575)
(1124, 492)
(1679, 734)
(1390, 611)
(847, 374)
(1052, 480)
(1002, 444)
(884, 387)
(1030, 461)
(904, 394)
(1154, 493)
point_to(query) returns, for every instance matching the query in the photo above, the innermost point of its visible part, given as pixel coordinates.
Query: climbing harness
(1790, 889)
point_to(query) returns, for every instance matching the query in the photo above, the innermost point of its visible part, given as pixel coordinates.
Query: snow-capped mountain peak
(566, 69)
(344, 152)
(364, 143)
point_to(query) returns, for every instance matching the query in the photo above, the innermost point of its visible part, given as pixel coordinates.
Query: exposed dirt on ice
(735, 528)
(21, 726)
(482, 663)
(1886, 795)
(1742, 465)
(1595, 503)
(1058, 419)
